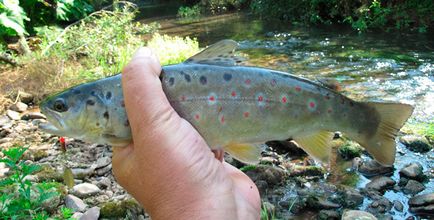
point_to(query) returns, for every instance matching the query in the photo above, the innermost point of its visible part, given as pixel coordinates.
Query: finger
(145, 100)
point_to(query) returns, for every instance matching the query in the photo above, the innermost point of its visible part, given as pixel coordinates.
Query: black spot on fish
(106, 115)
(127, 123)
(90, 102)
(171, 81)
(76, 91)
(182, 72)
(227, 77)
(187, 77)
(97, 124)
(108, 95)
(92, 93)
(203, 80)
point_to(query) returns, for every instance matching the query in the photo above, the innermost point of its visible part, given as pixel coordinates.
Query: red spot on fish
(247, 81)
(329, 110)
(260, 98)
(284, 99)
(273, 83)
(183, 98)
(233, 94)
(298, 88)
(246, 114)
(62, 144)
(212, 98)
(122, 103)
(197, 116)
(312, 104)
(222, 119)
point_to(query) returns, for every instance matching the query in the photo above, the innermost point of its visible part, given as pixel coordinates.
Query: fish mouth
(54, 125)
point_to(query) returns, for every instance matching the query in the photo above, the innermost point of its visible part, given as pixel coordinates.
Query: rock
(413, 171)
(4, 120)
(299, 170)
(103, 161)
(416, 143)
(350, 150)
(13, 115)
(380, 184)
(321, 203)
(422, 204)
(33, 115)
(413, 187)
(76, 215)
(104, 170)
(271, 175)
(118, 209)
(3, 169)
(373, 168)
(26, 97)
(84, 190)
(398, 206)
(381, 205)
(91, 214)
(5, 140)
(81, 173)
(75, 203)
(104, 182)
(357, 215)
(18, 107)
(328, 215)
(268, 160)
(353, 198)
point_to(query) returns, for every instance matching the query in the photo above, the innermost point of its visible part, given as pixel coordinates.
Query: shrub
(172, 50)
(186, 12)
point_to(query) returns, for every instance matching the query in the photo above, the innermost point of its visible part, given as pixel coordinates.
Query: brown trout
(235, 108)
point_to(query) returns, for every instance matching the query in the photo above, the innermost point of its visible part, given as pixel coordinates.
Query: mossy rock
(39, 154)
(118, 209)
(48, 174)
(350, 150)
(416, 143)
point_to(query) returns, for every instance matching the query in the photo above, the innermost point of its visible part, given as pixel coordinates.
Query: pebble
(84, 190)
(4, 120)
(102, 162)
(413, 187)
(357, 214)
(381, 205)
(412, 171)
(26, 97)
(104, 182)
(81, 173)
(33, 115)
(91, 214)
(76, 215)
(398, 206)
(18, 107)
(380, 183)
(75, 203)
(13, 115)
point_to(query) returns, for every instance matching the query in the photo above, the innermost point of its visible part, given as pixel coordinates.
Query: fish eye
(60, 106)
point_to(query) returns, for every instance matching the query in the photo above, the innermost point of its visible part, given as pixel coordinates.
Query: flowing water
(372, 66)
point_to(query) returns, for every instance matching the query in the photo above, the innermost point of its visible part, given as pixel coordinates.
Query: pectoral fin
(317, 145)
(246, 153)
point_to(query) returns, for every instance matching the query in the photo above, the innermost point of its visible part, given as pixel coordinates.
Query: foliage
(20, 198)
(425, 129)
(172, 50)
(218, 6)
(19, 17)
(186, 12)
(361, 15)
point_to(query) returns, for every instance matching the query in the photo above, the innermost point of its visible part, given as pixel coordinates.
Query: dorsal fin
(220, 53)
(329, 83)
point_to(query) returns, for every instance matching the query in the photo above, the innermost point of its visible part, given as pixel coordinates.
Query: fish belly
(230, 105)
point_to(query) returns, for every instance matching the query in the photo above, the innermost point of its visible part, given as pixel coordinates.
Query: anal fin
(246, 153)
(317, 145)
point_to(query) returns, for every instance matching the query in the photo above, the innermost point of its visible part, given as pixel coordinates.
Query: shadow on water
(371, 66)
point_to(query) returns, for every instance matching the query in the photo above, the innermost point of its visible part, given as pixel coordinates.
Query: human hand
(169, 168)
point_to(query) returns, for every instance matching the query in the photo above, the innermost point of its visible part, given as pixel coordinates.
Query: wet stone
(380, 183)
(413, 187)
(413, 171)
(382, 205)
(357, 214)
(416, 143)
(75, 203)
(18, 107)
(353, 198)
(271, 175)
(422, 203)
(398, 206)
(328, 215)
(103, 161)
(373, 168)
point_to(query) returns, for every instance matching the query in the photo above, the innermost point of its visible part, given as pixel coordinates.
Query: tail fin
(382, 144)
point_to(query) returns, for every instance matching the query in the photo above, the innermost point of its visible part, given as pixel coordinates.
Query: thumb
(145, 102)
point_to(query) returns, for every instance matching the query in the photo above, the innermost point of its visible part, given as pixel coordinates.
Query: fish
(235, 108)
